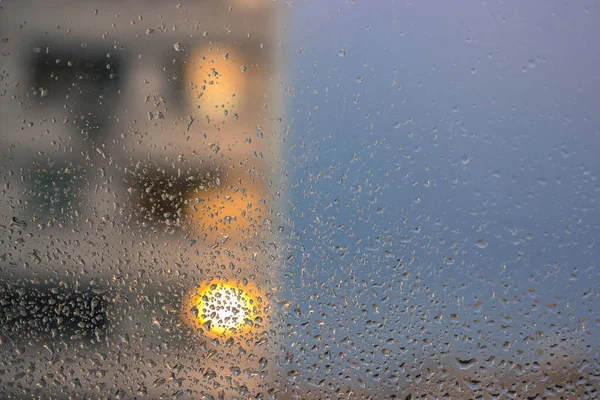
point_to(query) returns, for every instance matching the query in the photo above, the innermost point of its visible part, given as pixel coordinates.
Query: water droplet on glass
(465, 364)
(542, 182)
(481, 243)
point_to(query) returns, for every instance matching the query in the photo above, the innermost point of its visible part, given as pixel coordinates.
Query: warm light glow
(222, 308)
(233, 210)
(219, 83)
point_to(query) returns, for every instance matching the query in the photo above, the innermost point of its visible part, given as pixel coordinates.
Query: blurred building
(139, 207)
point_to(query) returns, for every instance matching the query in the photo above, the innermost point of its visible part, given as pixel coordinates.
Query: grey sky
(463, 130)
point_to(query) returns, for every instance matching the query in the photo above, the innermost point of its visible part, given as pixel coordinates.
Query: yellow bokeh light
(232, 211)
(219, 83)
(222, 308)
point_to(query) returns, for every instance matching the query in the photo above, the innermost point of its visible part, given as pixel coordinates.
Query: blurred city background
(307, 200)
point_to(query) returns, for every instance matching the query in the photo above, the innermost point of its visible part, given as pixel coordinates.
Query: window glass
(266, 199)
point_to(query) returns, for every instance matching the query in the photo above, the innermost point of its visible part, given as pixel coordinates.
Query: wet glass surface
(299, 200)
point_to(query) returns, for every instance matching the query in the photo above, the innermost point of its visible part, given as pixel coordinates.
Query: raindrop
(207, 325)
(448, 260)
(542, 182)
(18, 222)
(481, 243)
(465, 364)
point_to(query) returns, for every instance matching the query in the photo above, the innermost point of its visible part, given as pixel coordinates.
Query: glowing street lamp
(224, 309)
